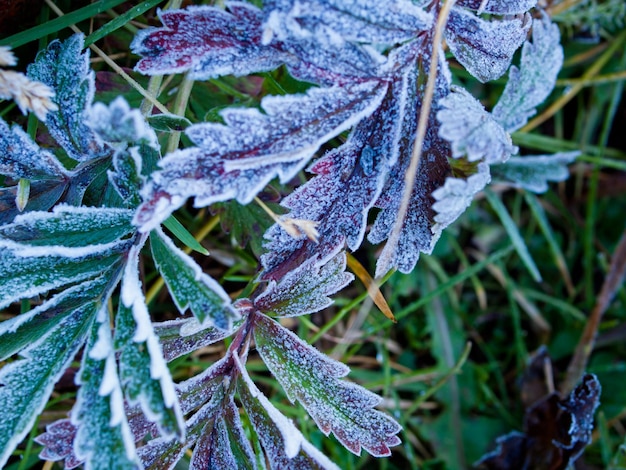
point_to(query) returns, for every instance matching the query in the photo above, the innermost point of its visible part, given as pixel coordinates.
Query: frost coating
(340, 407)
(533, 81)
(472, 131)
(485, 48)
(456, 195)
(534, 172)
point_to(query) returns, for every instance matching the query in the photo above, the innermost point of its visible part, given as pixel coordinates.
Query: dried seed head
(29, 95)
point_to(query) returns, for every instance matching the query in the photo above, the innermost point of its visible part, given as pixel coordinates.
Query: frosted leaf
(456, 195)
(534, 172)
(237, 160)
(189, 286)
(499, 7)
(350, 179)
(20, 157)
(103, 437)
(416, 235)
(337, 406)
(58, 442)
(117, 123)
(331, 22)
(283, 444)
(142, 368)
(533, 81)
(65, 68)
(225, 445)
(126, 175)
(26, 383)
(472, 132)
(26, 271)
(20, 331)
(207, 42)
(70, 226)
(484, 48)
(202, 388)
(304, 290)
(175, 344)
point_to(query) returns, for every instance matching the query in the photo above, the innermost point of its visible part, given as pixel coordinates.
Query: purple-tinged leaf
(350, 179)
(143, 371)
(224, 445)
(343, 408)
(556, 431)
(103, 437)
(202, 388)
(65, 68)
(485, 48)
(58, 442)
(472, 132)
(190, 287)
(456, 195)
(117, 124)
(534, 172)
(179, 337)
(237, 160)
(498, 7)
(284, 446)
(331, 22)
(26, 383)
(305, 289)
(207, 42)
(416, 235)
(533, 81)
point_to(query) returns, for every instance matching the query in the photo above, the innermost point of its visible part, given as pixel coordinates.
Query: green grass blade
(120, 21)
(514, 234)
(60, 23)
(174, 226)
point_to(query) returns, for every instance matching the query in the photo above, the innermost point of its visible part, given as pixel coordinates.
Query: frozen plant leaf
(207, 42)
(331, 22)
(103, 437)
(22, 330)
(58, 442)
(305, 289)
(26, 383)
(485, 48)
(472, 132)
(70, 226)
(189, 286)
(534, 172)
(283, 444)
(531, 83)
(142, 369)
(26, 271)
(65, 68)
(126, 177)
(238, 159)
(343, 408)
(117, 124)
(456, 195)
(226, 445)
(556, 431)
(498, 7)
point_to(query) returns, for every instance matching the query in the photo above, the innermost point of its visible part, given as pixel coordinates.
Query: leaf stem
(416, 155)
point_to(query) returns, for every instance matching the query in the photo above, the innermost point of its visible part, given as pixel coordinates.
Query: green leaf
(534, 172)
(142, 368)
(26, 271)
(66, 70)
(19, 332)
(180, 232)
(189, 286)
(169, 122)
(103, 438)
(28, 382)
(70, 226)
(516, 238)
(343, 408)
